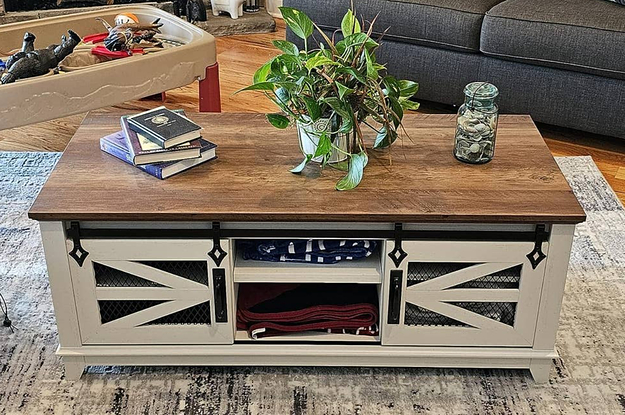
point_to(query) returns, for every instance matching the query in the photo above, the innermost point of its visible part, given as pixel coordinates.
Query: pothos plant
(340, 81)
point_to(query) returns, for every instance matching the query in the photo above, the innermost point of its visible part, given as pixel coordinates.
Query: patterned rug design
(590, 378)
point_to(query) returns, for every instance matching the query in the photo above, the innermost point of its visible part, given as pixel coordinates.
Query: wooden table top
(420, 181)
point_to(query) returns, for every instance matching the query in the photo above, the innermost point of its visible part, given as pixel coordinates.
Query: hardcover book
(144, 151)
(165, 127)
(115, 145)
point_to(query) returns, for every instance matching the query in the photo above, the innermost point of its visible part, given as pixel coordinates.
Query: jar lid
(481, 90)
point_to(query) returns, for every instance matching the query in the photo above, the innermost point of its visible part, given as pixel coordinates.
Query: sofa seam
(549, 23)
(528, 59)
(399, 37)
(444, 8)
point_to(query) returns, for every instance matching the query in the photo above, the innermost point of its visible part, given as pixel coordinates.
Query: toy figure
(180, 7)
(27, 46)
(121, 37)
(196, 11)
(40, 61)
(123, 18)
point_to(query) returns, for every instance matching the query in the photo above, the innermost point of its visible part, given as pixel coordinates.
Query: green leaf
(278, 120)
(285, 64)
(300, 167)
(409, 105)
(358, 39)
(313, 107)
(343, 90)
(360, 77)
(326, 52)
(260, 86)
(341, 165)
(355, 41)
(407, 88)
(350, 24)
(287, 47)
(343, 110)
(385, 138)
(372, 73)
(298, 22)
(324, 146)
(392, 86)
(262, 72)
(319, 60)
(380, 140)
(283, 95)
(398, 111)
(354, 175)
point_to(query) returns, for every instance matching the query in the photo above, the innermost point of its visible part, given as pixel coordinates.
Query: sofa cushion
(580, 35)
(453, 24)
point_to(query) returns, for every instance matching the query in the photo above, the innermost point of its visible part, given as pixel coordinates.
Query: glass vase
(476, 128)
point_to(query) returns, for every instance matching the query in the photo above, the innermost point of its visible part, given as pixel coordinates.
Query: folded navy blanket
(323, 251)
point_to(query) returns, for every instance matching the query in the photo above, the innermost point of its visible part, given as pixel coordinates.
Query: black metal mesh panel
(198, 314)
(111, 277)
(192, 270)
(502, 312)
(423, 271)
(509, 278)
(113, 309)
(419, 316)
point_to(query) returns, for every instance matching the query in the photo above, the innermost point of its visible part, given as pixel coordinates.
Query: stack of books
(161, 142)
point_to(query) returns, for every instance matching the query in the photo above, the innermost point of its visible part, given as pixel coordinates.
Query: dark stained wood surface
(419, 180)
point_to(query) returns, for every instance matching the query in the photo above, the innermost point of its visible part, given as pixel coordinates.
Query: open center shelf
(362, 271)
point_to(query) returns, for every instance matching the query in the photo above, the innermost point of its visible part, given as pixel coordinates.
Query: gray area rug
(588, 379)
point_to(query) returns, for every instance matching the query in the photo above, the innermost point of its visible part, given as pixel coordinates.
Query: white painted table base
(537, 356)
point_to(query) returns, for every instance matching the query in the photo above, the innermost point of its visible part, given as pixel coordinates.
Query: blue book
(115, 145)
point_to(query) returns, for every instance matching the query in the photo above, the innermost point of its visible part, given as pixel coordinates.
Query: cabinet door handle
(219, 289)
(394, 303)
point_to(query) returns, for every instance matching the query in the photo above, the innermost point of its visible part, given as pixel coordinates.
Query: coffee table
(470, 271)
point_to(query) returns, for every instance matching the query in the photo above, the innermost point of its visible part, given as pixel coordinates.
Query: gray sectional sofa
(562, 61)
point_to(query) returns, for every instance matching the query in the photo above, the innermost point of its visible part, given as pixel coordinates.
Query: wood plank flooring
(239, 56)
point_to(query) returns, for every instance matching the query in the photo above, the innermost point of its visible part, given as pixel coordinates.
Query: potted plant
(331, 93)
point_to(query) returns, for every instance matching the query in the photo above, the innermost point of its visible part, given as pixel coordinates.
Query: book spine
(115, 151)
(125, 156)
(125, 130)
(152, 170)
(147, 133)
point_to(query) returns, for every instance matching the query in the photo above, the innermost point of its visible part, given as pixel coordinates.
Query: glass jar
(476, 128)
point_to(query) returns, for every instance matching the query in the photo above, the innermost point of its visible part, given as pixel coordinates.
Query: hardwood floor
(239, 56)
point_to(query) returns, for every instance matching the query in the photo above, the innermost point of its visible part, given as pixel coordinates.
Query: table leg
(210, 99)
(540, 369)
(74, 367)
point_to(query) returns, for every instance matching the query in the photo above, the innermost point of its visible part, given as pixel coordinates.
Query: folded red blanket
(274, 309)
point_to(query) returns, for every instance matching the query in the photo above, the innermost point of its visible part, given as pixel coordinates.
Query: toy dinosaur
(121, 37)
(38, 62)
(28, 45)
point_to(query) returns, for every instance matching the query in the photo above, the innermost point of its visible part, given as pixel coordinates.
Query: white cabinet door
(462, 294)
(152, 292)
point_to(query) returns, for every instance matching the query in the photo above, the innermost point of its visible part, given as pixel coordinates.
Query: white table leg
(540, 369)
(74, 367)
